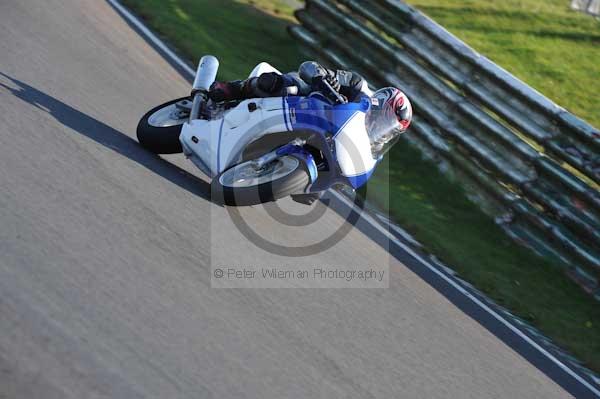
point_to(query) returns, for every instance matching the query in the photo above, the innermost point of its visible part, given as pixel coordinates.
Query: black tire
(293, 183)
(160, 140)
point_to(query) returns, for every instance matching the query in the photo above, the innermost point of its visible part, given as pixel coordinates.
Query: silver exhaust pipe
(206, 73)
(205, 77)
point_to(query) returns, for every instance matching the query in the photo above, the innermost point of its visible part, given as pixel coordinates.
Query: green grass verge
(550, 47)
(435, 210)
(239, 33)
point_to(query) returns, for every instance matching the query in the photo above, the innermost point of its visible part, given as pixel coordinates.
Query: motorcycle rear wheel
(159, 130)
(242, 185)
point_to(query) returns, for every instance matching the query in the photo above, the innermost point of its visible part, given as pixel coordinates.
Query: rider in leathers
(309, 78)
(271, 84)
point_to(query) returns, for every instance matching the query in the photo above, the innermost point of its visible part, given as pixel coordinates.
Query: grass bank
(544, 43)
(242, 33)
(239, 33)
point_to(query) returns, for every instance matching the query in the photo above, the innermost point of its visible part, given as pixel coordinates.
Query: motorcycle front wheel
(158, 130)
(243, 185)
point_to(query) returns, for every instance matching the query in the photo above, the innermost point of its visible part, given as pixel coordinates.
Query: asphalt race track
(106, 250)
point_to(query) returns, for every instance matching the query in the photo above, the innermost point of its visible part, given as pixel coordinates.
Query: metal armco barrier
(532, 164)
(591, 7)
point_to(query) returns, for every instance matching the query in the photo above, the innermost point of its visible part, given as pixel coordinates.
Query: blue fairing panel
(317, 114)
(343, 112)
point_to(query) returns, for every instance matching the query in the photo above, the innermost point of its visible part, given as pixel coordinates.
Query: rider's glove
(314, 74)
(328, 76)
(331, 78)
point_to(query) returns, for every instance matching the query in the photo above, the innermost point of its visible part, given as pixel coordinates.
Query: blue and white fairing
(347, 124)
(216, 145)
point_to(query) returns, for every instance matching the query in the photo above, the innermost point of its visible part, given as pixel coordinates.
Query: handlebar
(332, 92)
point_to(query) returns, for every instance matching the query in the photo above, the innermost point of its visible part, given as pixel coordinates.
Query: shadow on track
(108, 137)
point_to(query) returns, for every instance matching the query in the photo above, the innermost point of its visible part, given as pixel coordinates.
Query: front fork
(295, 148)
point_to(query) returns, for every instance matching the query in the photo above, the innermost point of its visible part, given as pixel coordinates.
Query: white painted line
(159, 43)
(152, 37)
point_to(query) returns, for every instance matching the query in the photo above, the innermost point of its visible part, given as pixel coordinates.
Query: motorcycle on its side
(263, 149)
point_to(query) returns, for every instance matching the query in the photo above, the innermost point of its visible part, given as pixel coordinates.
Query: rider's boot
(226, 91)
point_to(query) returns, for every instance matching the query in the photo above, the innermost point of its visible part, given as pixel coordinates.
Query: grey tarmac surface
(106, 251)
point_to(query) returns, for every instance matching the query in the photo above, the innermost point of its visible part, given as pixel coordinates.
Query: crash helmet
(389, 115)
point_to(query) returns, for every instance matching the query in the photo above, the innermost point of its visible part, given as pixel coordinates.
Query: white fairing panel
(218, 144)
(353, 148)
(261, 68)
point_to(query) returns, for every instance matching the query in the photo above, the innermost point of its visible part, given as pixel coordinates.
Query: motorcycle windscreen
(383, 129)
